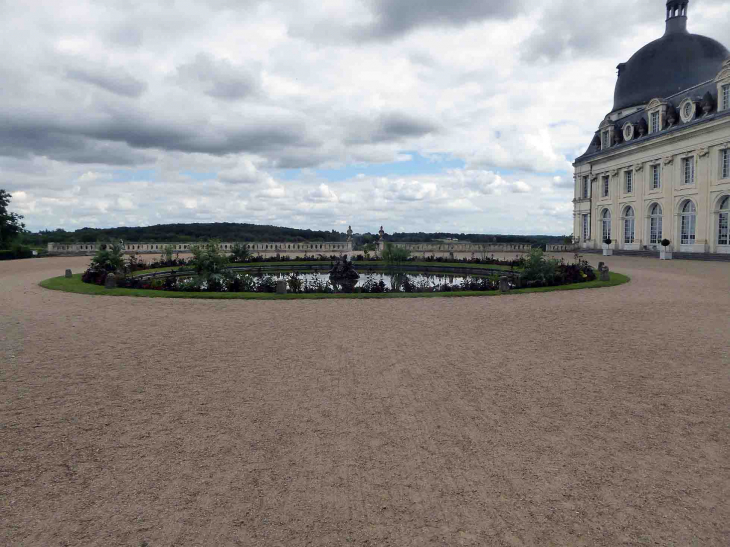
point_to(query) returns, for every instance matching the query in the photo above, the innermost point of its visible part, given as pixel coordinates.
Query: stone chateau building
(659, 164)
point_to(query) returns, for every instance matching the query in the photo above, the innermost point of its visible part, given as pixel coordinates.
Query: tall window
(629, 178)
(723, 231)
(725, 97)
(655, 224)
(688, 171)
(604, 140)
(586, 228)
(656, 177)
(584, 191)
(725, 163)
(606, 181)
(629, 225)
(606, 224)
(654, 127)
(688, 223)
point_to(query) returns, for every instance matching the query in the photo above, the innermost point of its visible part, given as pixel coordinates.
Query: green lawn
(75, 285)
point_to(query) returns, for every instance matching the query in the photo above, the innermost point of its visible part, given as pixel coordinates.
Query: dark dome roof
(675, 62)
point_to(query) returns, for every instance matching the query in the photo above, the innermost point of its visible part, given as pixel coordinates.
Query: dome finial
(677, 16)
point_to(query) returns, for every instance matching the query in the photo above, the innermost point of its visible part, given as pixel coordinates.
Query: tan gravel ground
(598, 417)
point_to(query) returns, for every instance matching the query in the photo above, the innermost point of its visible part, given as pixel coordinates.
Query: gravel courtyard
(596, 417)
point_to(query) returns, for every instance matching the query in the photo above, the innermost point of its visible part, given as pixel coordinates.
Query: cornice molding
(697, 129)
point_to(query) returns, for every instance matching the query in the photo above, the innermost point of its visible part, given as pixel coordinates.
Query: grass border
(75, 285)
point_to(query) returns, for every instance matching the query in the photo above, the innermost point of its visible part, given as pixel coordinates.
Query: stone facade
(622, 209)
(660, 170)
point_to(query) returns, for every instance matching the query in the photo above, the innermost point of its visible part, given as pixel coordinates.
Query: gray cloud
(114, 80)
(218, 78)
(389, 127)
(394, 18)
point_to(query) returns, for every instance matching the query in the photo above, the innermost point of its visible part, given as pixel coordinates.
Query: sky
(418, 115)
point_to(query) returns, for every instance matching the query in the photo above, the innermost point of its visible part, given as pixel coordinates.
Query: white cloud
(323, 193)
(520, 187)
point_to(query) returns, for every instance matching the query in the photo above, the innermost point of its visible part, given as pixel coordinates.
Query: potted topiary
(607, 251)
(664, 254)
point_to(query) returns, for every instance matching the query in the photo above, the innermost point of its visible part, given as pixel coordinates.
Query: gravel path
(596, 418)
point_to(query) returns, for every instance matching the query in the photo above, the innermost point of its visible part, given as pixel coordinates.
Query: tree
(10, 223)
(167, 252)
(240, 253)
(395, 256)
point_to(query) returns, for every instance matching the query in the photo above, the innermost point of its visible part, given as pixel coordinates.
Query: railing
(562, 248)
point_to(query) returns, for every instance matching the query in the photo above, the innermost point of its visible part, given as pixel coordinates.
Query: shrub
(208, 261)
(538, 270)
(666, 243)
(134, 264)
(17, 251)
(109, 258)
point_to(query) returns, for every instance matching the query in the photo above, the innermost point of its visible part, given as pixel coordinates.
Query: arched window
(688, 224)
(606, 224)
(655, 224)
(629, 225)
(723, 232)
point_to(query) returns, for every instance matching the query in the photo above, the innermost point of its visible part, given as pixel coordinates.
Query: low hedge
(16, 251)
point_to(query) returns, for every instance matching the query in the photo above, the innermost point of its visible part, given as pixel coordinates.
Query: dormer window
(687, 110)
(628, 131)
(607, 130)
(656, 114)
(605, 142)
(725, 97)
(654, 125)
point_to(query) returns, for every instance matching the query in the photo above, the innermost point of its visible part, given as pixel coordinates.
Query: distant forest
(227, 231)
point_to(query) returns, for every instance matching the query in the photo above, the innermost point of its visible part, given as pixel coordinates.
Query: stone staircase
(655, 254)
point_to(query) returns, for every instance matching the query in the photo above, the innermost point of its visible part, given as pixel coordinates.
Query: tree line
(228, 231)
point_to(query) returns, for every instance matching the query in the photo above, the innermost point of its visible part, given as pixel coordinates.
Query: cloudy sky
(420, 115)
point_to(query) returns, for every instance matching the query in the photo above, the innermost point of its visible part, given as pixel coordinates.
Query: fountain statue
(343, 274)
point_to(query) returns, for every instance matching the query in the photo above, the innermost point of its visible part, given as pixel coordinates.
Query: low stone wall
(457, 251)
(256, 248)
(562, 248)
